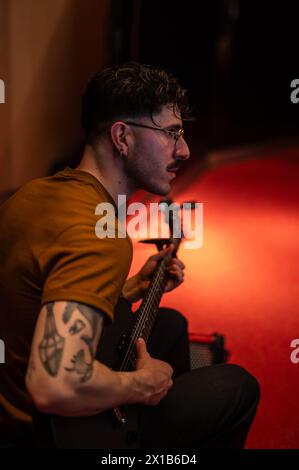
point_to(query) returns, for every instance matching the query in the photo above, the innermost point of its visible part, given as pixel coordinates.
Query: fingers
(175, 262)
(176, 275)
(155, 399)
(169, 249)
(169, 385)
(175, 268)
(176, 272)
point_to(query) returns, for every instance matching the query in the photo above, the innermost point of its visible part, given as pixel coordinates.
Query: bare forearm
(106, 389)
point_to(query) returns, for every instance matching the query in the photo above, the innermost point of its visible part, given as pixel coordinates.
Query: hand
(174, 267)
(136, 286)
(155, 376)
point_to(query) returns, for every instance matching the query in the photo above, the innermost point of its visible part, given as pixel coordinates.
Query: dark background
(237, 59)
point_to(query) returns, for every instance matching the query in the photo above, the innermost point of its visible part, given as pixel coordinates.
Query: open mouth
(172, 174)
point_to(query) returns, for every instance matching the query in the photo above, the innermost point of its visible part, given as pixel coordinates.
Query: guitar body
(103, 430)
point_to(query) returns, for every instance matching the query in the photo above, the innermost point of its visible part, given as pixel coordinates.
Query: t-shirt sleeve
(83, 268)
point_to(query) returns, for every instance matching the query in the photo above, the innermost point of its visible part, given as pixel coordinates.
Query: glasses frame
(174, 134)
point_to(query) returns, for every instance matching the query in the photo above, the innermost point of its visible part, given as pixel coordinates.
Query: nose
(182, 151)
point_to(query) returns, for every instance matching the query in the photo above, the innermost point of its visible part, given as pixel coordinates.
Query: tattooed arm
(63, 376)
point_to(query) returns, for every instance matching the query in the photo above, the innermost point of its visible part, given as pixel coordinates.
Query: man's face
(156, 156)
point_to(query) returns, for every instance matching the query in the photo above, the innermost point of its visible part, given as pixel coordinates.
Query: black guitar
(117, 428)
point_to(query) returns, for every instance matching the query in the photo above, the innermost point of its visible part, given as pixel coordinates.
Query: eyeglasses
(172, 133)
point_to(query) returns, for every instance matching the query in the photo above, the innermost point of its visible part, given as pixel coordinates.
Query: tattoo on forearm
(52, 344)
(82, 368)
(79, 365)
(77, 327)
(87, 312)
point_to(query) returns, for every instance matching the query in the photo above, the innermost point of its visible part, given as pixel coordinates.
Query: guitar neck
(148, 310)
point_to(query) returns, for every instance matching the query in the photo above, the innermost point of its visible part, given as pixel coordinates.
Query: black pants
(209, 407)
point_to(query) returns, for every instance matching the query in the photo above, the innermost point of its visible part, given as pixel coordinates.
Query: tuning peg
(159, 242)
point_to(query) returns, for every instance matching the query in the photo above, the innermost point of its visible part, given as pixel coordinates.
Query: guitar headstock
(172, 215)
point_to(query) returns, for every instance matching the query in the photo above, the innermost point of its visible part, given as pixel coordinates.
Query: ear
(119, 134)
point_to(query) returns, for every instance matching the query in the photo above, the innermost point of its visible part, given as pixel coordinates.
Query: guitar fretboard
(147, 313)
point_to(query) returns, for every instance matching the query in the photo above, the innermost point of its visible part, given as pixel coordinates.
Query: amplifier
(206, 350)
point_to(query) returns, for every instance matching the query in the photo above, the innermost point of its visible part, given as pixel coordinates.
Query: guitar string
(139, 326)
(153, 302)
(127, 359)
(136, 332)
(138, 329)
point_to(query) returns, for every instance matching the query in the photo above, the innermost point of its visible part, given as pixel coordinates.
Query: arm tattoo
(82, 368)
(77, 327)
(79, 365)
(51, 346)
(89, 313)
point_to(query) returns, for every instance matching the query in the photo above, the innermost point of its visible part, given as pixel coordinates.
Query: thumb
(141, 348)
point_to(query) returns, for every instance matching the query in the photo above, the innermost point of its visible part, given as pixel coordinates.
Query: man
(60, 283)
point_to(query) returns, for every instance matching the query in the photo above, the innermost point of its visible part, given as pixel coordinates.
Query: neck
(108, 169)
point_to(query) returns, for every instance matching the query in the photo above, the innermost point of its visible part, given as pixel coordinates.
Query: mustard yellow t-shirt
(49, 251)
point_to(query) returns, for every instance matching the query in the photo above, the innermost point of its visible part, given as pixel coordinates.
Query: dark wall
(237, 58)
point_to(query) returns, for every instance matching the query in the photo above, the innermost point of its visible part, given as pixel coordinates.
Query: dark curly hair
(129, 90)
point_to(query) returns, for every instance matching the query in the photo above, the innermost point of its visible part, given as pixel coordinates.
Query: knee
(244, 382)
